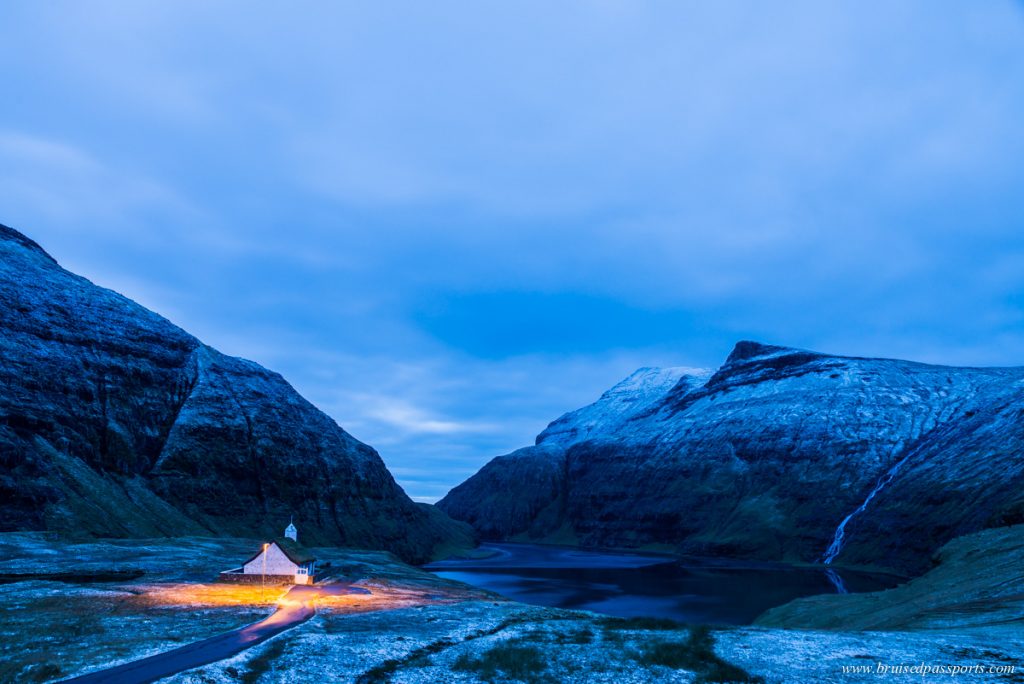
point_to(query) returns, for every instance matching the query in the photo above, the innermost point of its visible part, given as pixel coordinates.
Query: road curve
(294, 609)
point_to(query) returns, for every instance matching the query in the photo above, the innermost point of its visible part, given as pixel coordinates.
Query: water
(629, 585)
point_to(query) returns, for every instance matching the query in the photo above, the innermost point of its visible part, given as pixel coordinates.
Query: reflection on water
(629, 585)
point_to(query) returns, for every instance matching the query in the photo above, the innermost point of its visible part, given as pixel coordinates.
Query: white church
(280, 560)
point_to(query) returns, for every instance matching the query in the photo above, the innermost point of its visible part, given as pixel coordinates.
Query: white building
(283, 557)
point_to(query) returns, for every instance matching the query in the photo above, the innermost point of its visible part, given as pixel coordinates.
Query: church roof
(296, 552)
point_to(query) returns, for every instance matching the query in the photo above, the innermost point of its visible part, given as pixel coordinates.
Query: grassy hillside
(978, 580)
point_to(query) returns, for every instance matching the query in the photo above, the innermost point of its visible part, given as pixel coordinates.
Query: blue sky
(448, 223)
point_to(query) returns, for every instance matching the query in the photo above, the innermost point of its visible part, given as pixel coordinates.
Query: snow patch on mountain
(637, 394)
(780, 454)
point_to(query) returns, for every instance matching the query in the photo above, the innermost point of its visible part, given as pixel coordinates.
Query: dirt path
(295, 608)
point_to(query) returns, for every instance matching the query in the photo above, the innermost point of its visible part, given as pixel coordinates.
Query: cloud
(634, 105)
(66, 183)
(448, 224)
(410, 419)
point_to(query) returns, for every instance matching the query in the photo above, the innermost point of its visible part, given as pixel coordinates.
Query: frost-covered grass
(471, 641)
(52, 630)
(414, 628)
(815, 656)
(484, 641)
(185, 559)
(165, 560)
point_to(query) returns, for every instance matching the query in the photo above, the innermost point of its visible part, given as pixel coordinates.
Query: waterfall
(836, 581)
(840, 534)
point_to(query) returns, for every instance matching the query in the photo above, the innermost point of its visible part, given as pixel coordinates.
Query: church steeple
(290, 531)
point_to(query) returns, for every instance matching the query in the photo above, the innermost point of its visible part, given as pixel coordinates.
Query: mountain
(780, 454)
(115, 422)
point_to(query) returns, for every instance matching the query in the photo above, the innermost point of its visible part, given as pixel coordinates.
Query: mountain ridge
(778, 453)
(116, 422)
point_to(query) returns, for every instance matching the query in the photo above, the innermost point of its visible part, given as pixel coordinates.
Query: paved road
(295, 608)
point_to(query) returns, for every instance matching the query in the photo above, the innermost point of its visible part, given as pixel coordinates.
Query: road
(293, 609)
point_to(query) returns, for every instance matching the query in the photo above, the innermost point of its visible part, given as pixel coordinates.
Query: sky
(447, 223)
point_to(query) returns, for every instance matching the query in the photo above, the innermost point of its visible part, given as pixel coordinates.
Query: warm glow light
(210, 595)
(390, 597)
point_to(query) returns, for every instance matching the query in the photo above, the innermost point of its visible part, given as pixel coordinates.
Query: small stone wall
(242, 578)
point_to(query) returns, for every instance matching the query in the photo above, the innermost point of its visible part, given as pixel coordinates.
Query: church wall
(277, 563)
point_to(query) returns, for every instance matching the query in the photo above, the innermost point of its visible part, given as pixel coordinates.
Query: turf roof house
(282, 559)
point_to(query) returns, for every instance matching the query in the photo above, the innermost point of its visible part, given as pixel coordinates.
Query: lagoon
(706, 591)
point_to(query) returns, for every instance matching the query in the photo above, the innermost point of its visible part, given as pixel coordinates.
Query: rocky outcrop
(115, 422)
(780, 454)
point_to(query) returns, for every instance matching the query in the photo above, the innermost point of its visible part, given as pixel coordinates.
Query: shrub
(649, 623)
(259, 665)
(512, 660)
(697, 654)
(42, 672)
(580, 636)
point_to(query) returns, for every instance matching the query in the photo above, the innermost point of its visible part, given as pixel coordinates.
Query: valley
(689, 526)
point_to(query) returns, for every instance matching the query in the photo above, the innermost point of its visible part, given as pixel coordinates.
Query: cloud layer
(447, 223)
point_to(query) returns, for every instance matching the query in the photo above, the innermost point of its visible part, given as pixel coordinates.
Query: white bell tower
(291, 532)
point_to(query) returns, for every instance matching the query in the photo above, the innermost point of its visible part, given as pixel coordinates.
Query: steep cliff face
(115, 422)
(767, 457)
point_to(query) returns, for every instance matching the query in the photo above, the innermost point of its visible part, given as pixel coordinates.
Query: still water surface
(628, 585)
